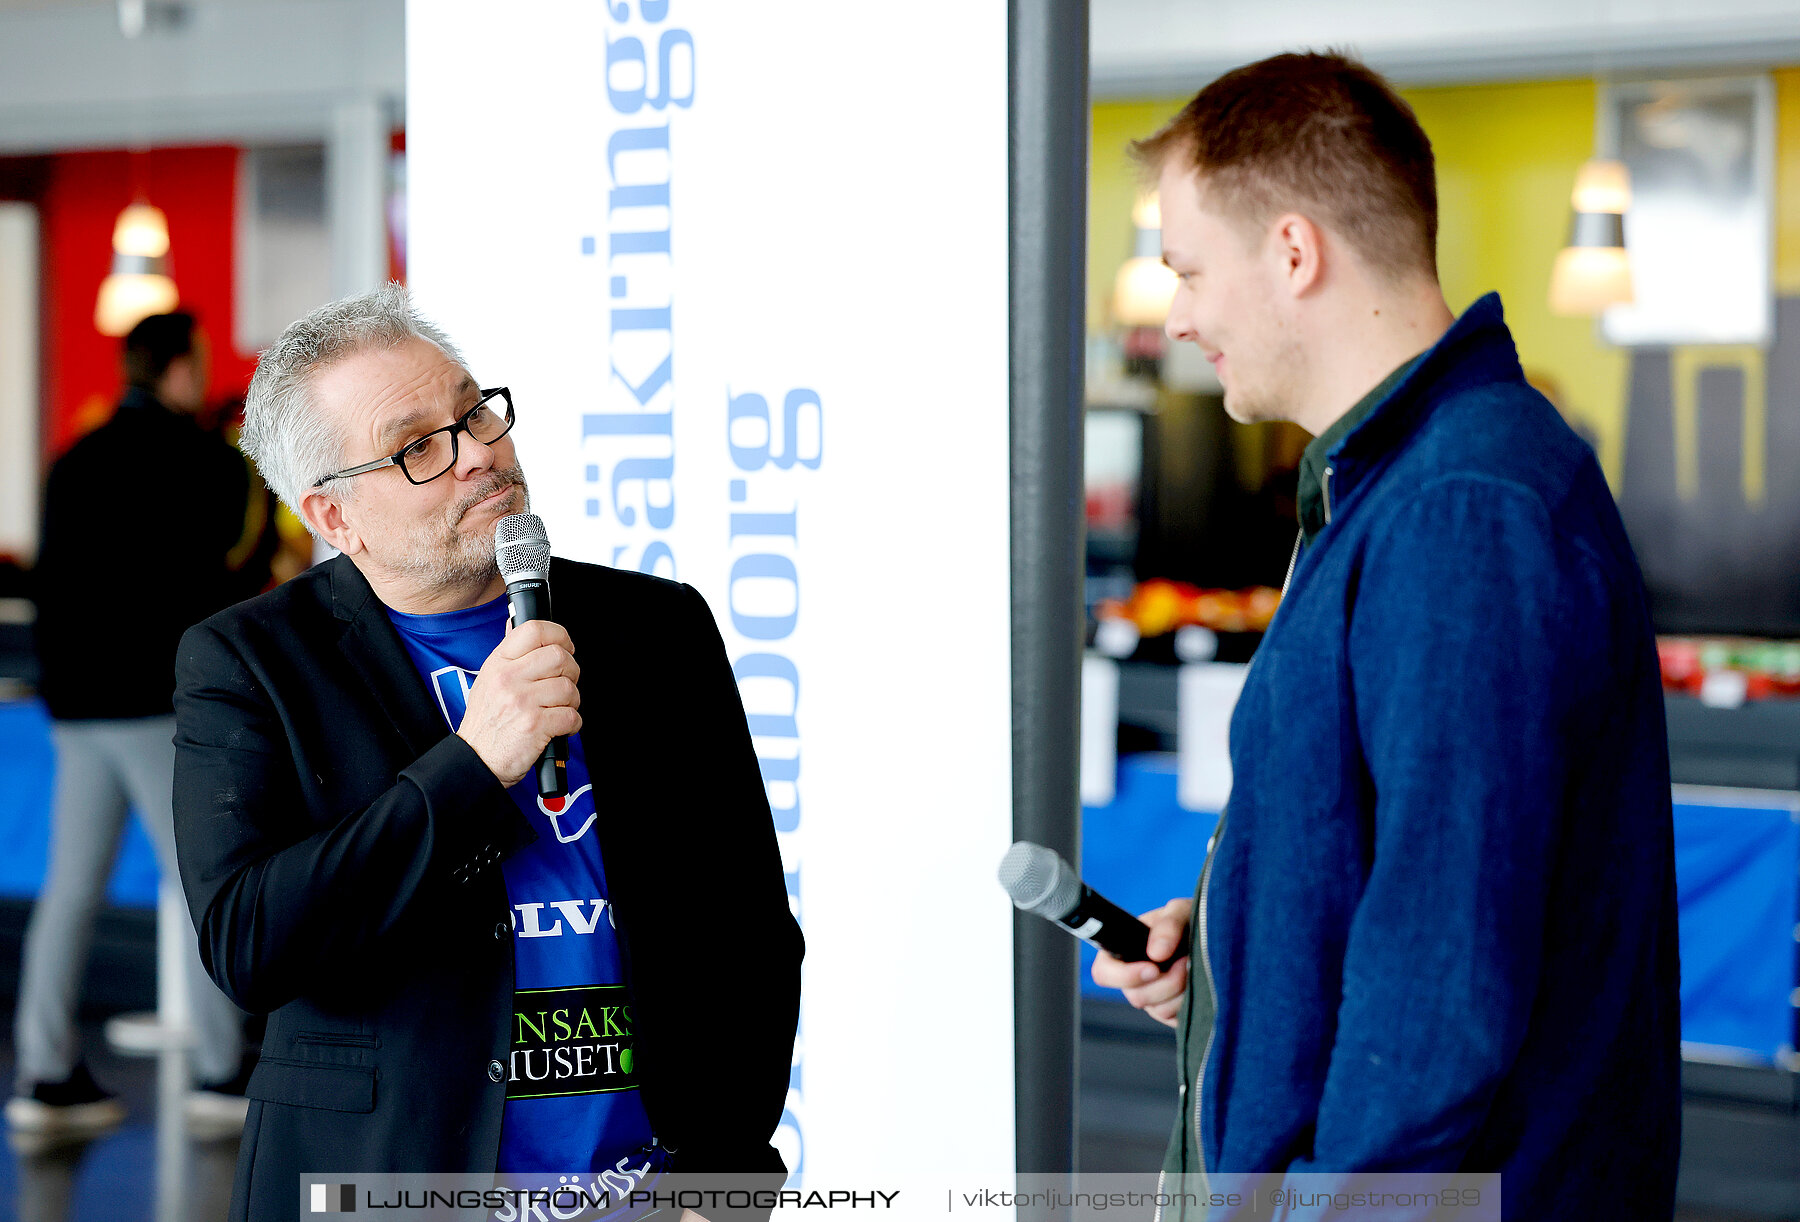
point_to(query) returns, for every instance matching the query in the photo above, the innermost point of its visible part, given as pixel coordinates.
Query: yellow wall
(1113, 183)
(1787, 181)
(1506, 159)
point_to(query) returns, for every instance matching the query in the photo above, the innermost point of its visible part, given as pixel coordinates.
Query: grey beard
(458, 559)
(466, 560)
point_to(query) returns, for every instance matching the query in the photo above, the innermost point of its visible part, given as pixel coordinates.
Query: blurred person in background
(1436, 929)
(144, 519)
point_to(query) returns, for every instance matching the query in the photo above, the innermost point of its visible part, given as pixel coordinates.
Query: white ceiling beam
(1153, 48)
(232, 72)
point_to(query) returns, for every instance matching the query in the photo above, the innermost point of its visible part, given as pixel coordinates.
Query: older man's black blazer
(341, 855)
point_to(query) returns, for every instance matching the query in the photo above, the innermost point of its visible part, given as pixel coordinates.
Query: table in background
(1737, 877)
(27, 782)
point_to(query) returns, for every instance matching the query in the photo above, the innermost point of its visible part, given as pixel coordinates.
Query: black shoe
(77, 1104)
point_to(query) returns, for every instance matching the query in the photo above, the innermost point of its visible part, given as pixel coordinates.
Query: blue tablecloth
(27, 780)
(1737, 884)
(1737, 879)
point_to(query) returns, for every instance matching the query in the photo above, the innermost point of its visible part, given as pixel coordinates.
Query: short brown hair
(1319, 131)
(153, 345)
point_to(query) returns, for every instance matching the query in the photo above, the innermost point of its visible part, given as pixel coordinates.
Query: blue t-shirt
(572, 1100)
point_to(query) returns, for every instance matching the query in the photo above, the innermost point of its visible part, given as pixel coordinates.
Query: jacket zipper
(1211, 991)
(1206, 881)
(1325, 489)
(1205, 875)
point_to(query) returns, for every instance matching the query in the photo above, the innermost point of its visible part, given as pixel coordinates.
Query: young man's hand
(1156, 992)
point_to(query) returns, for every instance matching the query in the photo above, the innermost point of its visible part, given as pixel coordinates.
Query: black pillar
(1047, 138)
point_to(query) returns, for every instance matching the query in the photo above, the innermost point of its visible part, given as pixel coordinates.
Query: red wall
(82, 196)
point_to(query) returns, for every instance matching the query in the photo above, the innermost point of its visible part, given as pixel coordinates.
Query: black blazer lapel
(374, 651)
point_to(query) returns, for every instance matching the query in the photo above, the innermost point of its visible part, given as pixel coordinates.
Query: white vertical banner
(20, 449)
(1206, 695)
(745, 271)
(1099, 729)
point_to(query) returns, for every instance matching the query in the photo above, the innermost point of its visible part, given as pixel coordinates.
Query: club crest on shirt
(450, 684)
(573, 810)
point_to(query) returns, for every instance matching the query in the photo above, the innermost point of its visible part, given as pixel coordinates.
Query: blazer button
(500, 931)
(496, 1071)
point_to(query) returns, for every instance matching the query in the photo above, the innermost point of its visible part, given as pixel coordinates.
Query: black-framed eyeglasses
(428, 457)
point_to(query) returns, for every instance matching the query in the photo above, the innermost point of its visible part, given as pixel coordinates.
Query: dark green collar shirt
(1315, 474)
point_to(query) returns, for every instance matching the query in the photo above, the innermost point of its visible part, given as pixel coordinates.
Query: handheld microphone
(1040, 881)
(522, 550)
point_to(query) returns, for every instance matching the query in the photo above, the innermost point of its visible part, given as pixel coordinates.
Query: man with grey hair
(462, 976)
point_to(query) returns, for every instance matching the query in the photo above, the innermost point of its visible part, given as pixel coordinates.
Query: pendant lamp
(139, 284)
(1593, 272)
(1144, 286)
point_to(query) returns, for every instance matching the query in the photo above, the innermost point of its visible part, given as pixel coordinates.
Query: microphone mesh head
(1039, 880)
(522, 547)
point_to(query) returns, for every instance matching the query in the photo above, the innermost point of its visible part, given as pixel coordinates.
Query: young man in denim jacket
(1438, 932)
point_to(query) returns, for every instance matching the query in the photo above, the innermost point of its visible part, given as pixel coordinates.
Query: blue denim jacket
(1441, 920)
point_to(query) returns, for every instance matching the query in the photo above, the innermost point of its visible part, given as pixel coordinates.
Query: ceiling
(1149, 48)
